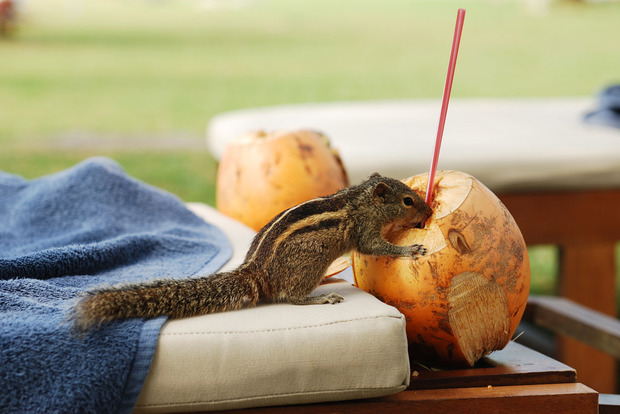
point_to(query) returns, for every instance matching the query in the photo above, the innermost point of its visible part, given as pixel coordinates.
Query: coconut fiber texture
(64, 233)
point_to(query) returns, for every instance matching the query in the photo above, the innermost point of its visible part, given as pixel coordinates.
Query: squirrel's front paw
(417, 250)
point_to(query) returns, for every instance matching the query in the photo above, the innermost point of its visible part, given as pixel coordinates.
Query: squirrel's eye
(408, 201)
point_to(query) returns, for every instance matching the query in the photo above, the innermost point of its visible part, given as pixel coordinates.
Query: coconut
(465, 298)
(261, 174)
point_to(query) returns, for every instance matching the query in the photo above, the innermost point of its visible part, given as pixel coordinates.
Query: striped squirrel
(285, 263)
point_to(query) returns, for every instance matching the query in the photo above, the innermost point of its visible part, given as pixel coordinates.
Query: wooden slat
(514, 365)
(586, 227)
(609, 404)
(545, 398)
(567, 317)
(565, 217)
(587, 276)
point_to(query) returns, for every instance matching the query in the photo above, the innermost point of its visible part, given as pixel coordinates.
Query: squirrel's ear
(380, 191)
(375, 175)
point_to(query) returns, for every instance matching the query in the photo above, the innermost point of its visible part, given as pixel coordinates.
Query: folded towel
(61, 234)
(608, 112)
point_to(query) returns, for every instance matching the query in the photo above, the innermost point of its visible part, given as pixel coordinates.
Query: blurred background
(138, 80)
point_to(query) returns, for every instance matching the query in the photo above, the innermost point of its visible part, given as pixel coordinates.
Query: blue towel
(61, 234)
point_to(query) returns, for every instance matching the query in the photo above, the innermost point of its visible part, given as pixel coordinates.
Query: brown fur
(285, 263)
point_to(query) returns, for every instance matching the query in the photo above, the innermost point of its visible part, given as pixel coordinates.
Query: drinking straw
(460, 17)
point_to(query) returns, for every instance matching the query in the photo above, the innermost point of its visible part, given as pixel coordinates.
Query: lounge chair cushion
(277, 354)
(520, 144)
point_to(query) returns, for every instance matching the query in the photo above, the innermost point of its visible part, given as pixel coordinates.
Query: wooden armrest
(608, 403)
(514, 365)
(564, 316)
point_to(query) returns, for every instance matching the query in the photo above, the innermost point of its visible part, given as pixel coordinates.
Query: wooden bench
(558, 176)
(513, 380)
(586, 248)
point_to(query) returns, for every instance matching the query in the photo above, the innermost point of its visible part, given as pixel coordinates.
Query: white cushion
(508, 144)
(278, 354)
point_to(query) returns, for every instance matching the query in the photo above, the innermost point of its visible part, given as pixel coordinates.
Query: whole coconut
(262, 174)
(465, 298)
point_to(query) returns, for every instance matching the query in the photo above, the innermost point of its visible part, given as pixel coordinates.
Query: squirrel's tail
(174, 298)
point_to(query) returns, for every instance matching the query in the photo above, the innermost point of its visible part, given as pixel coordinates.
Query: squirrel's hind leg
(331, 298)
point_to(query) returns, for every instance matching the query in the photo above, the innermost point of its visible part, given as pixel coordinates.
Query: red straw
(460, 17)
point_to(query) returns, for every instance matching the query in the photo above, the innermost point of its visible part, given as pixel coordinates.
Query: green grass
(544, 265)
(110, 77)
(134, 67)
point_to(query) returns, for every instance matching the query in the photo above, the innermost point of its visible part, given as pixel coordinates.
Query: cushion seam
(290, 328)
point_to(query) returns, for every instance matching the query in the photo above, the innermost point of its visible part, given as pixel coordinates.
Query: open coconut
(465, 298)
(262, 174)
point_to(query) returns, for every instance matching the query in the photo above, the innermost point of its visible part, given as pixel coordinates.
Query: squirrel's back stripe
(331, 219)
(324, 224)
(317, 209)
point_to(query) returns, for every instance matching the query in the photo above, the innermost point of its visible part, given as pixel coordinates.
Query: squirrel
(285, 262)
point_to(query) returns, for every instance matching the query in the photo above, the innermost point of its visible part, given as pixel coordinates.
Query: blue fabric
(61, 234)
(608, 112)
